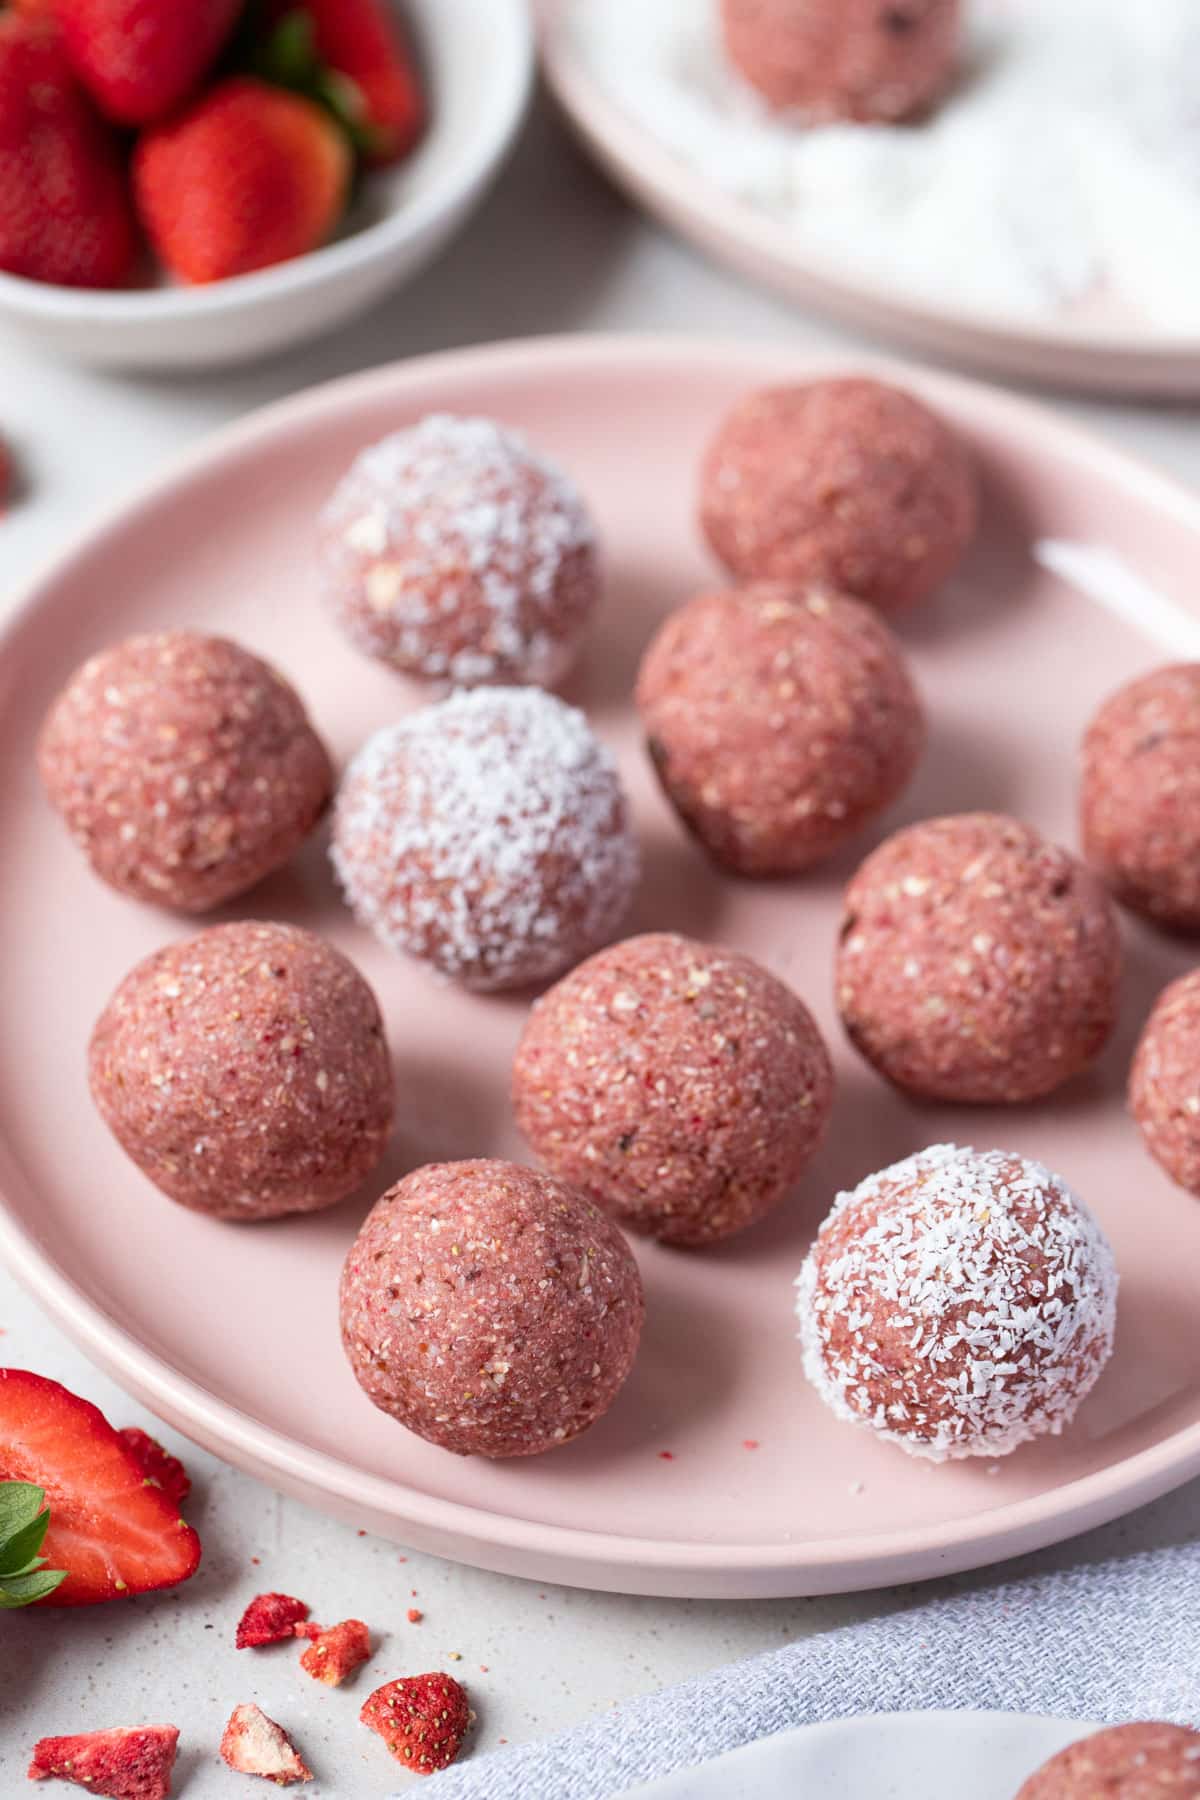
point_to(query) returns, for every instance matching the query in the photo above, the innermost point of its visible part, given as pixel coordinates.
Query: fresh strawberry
(269, 1619)
(64, 206)
(422, 1719)
(157, 1465)
(336, 1653)
(364, 46)
(34, 9)
(111, 1531)
(256, 1745)
(248, 176)
(125, 1765)
(143, 58)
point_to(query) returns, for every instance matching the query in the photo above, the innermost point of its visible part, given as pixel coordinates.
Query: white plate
(894, 1756)
(1117, 355)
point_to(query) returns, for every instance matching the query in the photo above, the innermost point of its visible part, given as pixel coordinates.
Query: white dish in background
(478, 60)
(1097, 344)
(894, 1756)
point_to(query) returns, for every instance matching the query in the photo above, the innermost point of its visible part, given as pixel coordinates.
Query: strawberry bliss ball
(873, 61)
(245, 1072)
(1164, 1082)
(455, 552)
(845, 483)
(959, 1303)
(977, 962)
(490, 1309)
(1140, 801)
(681, 1087)
(184, 767)
(1126, 1762)
(488, 835)
(780, 721)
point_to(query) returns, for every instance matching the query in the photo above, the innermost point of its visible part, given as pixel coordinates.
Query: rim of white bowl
(496, 126)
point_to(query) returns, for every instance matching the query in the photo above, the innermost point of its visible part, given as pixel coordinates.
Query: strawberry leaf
(24, 1590)
(24, 1518)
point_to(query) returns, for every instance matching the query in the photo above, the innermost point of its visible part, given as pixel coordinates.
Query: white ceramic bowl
(479, 58)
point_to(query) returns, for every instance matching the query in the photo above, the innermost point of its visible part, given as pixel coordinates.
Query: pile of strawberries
(226, 134)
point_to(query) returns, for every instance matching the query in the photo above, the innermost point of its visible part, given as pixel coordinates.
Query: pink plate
(231, 1332)
(1104, 349)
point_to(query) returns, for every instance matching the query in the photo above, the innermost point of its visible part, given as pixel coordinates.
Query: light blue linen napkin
(1116, 1640)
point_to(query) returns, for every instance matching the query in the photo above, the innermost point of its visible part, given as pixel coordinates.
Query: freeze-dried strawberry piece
(255, 1745)
(124, 1764)
(269, 1619)
(336, 1653)
(422, 1719)
(157, 1465)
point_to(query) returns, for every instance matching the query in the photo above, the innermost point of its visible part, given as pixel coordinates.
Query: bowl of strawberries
(191, 182)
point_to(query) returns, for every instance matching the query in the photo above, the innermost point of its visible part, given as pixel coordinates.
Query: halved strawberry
(112, 1532)
(157, 1464)
(122, 1764)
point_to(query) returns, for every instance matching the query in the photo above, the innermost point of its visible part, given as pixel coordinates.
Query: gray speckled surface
(555, 250)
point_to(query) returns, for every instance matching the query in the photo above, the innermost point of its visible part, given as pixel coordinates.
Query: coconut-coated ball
(958, 1303)
(977, 962)
(184, 767)
(680, 1086)
(488, 835)
(1164, 1082)
(490, 1309)
(455, 552)
(1126, 1762)
(780, 720)
(245, 1071)
(874, 61)
(845, 483)
(1140, 796)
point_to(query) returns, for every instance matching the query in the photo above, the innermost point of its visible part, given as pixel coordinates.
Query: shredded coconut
(455, 551)
(1061, 175)
(960, 1302)
(488, 834)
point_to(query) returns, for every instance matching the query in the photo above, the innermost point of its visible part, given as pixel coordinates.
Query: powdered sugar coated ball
(490, 1309)
(455, 552)
(958, 1303)
(489, 835)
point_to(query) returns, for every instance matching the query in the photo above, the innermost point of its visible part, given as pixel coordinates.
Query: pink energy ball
(1140, 799)
(1164, 1082)
(845, 484)
(958, 1303)
(977, 962)
(681, 1087)
(184, 767)
(245, 1071)
(869, 60)
(488, 835)
(1126, 1762)
(490, 1309)
(455, 552)
(780, 721)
